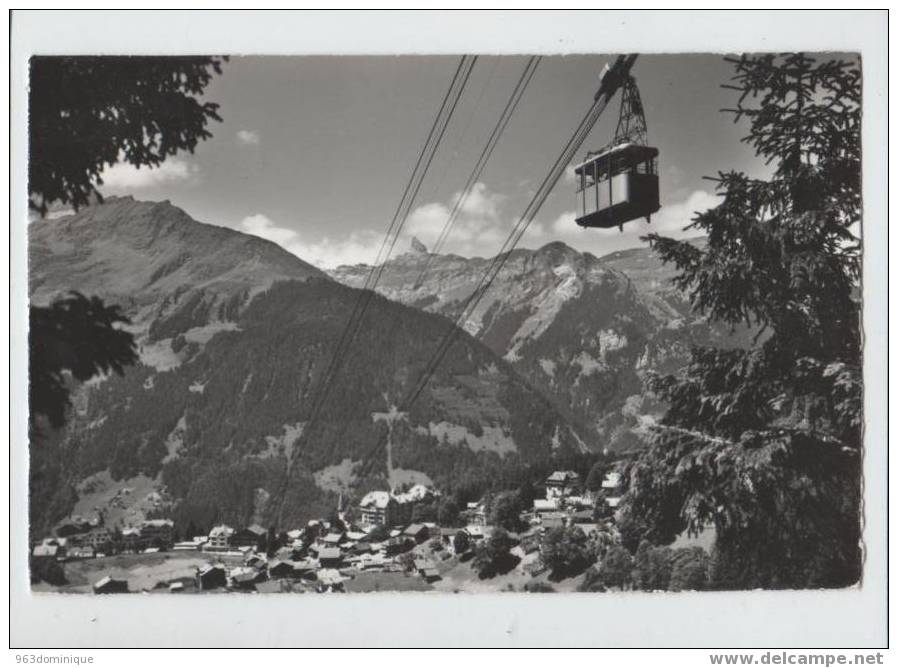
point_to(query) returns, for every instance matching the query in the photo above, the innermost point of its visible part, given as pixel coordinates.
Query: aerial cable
(459, 143)
(437, 130)
(505, 116)
(435, 136)
(461, 200)
(608, 87)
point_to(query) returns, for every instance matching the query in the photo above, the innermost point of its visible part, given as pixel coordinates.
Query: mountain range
(586, 331)
(218, 420)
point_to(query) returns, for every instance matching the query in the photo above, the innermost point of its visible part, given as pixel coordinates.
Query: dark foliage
(596, 475)
(592, 581)
(539, 588)
(493, 557)
(566, 551)
(47, 570)
(689, 569)
(765, 443)
(461, 543)
(75, 338)
(378, 534)
(653, 567)
(616, 569)
(505, 511)
(87, 113)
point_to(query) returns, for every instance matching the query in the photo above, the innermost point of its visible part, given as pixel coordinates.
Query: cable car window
(588, 175)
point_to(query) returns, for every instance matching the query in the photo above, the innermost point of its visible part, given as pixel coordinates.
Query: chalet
(430, 574)
(475, 532)
(334, 539)
(219, 538)
(417, 532)
(50, 548)
(398, 545)
(553, 520)
(244, 577)
(361, 548)
(157, 532)
(355, 536)
(613, 486)
(252, 536)
(188, 545)
(280, 569)
(176, 585)
(304, 569)
(562, 483)
(448, 534)
(475, 512)
(211, 576)
(109, 585)
(581, 517)
(544, 506)
(255, 560)
(330, 557)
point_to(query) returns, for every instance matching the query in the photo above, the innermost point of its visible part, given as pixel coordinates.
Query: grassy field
(142, 571)
(385, 582)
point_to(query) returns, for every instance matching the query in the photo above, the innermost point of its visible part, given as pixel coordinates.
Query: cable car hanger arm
(613, 76)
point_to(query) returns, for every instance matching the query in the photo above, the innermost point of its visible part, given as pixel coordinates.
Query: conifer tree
(765, 443)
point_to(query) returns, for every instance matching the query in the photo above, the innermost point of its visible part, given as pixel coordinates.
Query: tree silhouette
(89, 112)
(764, 444)
(75, 338)
(86, 113)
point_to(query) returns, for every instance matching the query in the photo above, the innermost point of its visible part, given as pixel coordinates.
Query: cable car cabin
(617, 185)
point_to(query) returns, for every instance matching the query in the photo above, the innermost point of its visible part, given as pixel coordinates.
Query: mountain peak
(417, 246)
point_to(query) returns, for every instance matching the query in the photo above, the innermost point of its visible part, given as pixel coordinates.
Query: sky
(313, 153)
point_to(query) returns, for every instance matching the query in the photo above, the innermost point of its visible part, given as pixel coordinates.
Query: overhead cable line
(432, 143)
(612, 79)
(467, 189)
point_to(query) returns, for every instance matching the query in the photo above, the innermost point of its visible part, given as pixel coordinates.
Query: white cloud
(125, 176)
(248, 137)
(484, 225)
(358, 247)
(480, 230)
(669, 221)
